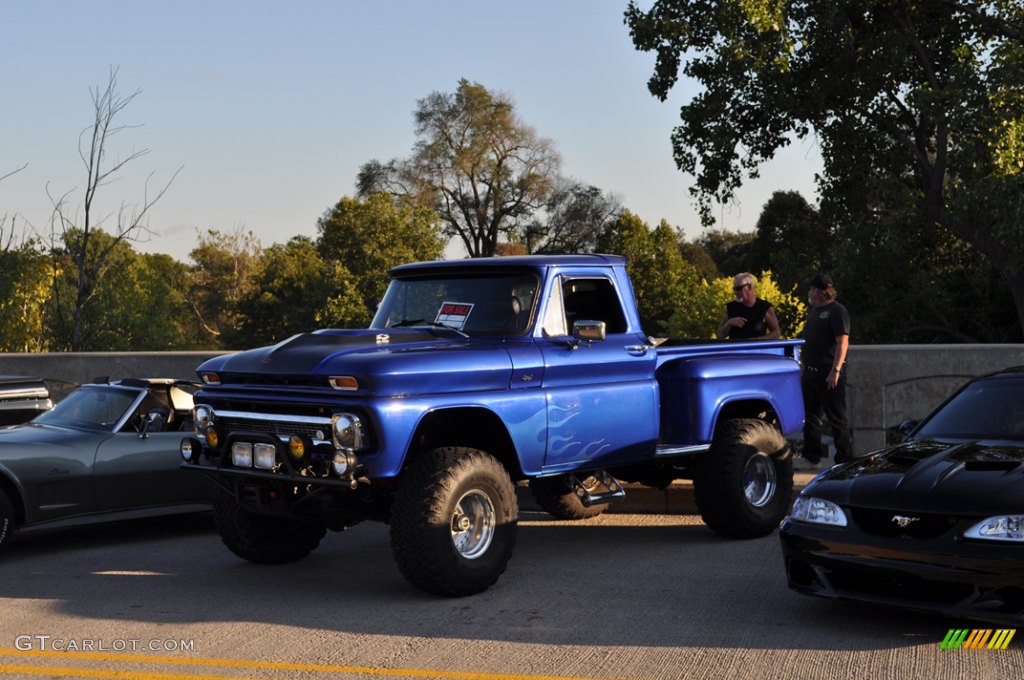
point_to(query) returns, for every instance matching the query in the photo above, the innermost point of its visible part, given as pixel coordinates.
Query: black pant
(820, 401)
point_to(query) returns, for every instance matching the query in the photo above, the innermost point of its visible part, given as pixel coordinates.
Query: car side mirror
(906, 427)
(587, 331)
(153, 420)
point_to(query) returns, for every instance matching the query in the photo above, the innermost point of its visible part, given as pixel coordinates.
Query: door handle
(637, 350)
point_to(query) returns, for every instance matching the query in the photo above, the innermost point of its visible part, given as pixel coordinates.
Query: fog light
(241, 454)
(296, 447)
(265, 456)
(189, 449)
(342, 463)
(212, 438)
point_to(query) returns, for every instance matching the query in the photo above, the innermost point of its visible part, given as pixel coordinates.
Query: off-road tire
(6, 519)
(556, 497)
(748, 457)
(443, 489)
(262, 539)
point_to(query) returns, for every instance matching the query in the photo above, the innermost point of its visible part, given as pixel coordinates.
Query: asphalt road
(620, 596)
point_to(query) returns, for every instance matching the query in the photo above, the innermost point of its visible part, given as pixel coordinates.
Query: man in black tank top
(748, 317)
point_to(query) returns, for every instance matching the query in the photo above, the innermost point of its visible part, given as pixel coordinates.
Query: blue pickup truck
(475, 376)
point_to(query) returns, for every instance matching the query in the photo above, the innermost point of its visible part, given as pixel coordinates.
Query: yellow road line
(258, 665)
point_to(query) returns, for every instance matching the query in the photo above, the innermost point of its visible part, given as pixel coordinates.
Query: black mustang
(935, 523)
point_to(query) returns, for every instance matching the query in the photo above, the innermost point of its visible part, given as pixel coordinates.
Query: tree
(88, 258)
(927, 94)
(732, 251)
(371, 236)
(224, 271)
(573, 218)
(482, 169)
(297, 291)
(792, 240)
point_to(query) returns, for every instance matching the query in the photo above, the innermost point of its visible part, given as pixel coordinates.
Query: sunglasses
(737, 289)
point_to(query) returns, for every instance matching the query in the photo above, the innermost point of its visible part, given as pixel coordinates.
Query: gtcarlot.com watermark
(53, 643)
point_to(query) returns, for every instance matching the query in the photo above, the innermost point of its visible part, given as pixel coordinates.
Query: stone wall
(887, 383)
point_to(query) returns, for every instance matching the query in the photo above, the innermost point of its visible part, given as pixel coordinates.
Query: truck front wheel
(453, 522)
(744, 485)
(262, 539)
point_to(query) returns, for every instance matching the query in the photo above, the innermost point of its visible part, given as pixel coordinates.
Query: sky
(270, 108)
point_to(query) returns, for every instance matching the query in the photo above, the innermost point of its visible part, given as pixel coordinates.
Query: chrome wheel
(473, 524)
(759, 480)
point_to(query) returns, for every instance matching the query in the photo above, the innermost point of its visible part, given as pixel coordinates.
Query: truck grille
(312, 427)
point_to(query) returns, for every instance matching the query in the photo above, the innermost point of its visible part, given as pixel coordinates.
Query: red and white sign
(454, 314)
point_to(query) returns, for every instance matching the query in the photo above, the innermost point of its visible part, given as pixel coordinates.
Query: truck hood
(983, 477)
(395, 362)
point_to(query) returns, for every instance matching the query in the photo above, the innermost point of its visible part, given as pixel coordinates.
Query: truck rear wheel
(744, 485)
(556, 496)
(453, 522)
(262, 539)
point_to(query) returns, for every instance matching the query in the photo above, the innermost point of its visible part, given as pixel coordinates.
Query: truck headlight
(347, 431)
(202, 418)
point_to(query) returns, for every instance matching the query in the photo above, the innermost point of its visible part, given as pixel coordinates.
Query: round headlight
(202, 417)
(342, 463)
(188, 449)
(348, 431)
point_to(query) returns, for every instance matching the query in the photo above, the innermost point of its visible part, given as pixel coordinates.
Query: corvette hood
(396, 362)
(963, 477)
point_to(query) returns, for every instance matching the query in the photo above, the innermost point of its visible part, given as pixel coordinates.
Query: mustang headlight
(347, 431)
(999, 528)
(818, 511)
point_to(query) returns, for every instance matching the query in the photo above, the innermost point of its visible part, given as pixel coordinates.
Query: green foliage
(792, 240)
(296, 291)
(925, 95)
(24, 293)
(373, 235)
(224, 271)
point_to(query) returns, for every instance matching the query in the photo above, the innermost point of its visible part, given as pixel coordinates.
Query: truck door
(602, 398)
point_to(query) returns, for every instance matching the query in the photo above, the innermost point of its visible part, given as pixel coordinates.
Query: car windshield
(475, 304)
(92, 407)
(986, 409)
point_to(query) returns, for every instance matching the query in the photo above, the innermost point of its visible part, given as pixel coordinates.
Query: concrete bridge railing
(887, 383)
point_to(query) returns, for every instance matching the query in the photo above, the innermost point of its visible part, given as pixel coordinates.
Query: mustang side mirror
(906, 427)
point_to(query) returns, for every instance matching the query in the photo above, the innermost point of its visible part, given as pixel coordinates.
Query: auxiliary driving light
(189, 448)
(264, 456)
(343, 462)
(212, 438)
(296, 447)
(241, 454)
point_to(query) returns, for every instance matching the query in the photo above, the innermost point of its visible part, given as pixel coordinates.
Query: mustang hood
(396, 362)
(975, 477)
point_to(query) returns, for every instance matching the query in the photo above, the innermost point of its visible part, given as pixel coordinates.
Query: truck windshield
(474, 304)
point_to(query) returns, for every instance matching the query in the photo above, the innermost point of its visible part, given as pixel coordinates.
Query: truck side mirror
(587, 330)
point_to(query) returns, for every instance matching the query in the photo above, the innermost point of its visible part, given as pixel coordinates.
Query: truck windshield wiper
(408, 323)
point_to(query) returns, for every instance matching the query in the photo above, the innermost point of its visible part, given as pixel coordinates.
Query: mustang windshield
(473, 304)
(92, 407)
(987, 409)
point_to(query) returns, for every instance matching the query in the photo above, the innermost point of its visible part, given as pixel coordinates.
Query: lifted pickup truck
(475, 375)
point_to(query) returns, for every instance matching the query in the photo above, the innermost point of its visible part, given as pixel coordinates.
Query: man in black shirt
(823, 375)
(748, 317)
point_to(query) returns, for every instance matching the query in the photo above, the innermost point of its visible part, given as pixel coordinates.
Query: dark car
(934, 523)
(107, 451)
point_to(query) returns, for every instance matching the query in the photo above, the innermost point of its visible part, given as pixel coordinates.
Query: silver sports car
(108, 451)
